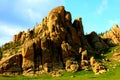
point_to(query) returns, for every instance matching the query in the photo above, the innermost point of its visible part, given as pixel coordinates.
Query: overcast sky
(19, 15)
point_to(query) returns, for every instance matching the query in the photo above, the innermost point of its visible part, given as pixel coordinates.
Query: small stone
(72, 76)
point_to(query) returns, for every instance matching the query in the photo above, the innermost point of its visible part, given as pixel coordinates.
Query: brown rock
(68, 17)
(67, 50)
(28, 55)
(92, 60)
(74, 67)
(84, 55)
(112, 37)
(77, 24)
(17, 37)
(11, 64)
(55, 40)
(23, 36)
(116, 57)
(85, 65)
(71, 66)
(28, 35)
(97, 67)
(56, 74)
(96, 42)
(55, 25)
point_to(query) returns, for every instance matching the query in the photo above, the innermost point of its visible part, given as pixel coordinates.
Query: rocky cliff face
(53, 42)
(112, 37)
(96, 42)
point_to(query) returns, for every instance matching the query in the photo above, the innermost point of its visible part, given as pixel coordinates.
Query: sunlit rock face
(112, 37)
(53, 43)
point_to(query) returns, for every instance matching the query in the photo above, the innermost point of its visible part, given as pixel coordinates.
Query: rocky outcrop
(49, 37)
(112, 37)
(84, 60)
(11, 64)
(116, 57)
(19, 38)
(67, 50)
(97, 67)
(77, 24)
(23, 37)
(96, 42)
(54, 42)
(71, 66)
(28, 56)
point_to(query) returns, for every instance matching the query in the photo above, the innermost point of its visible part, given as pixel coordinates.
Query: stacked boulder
(97, 67)
(84, 60)
(71, 66)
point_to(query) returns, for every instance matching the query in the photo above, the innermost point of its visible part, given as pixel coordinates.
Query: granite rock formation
(52, 43)
(112, 37)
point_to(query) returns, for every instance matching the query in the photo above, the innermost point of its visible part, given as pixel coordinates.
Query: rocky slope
(112, 37)
(56, 43)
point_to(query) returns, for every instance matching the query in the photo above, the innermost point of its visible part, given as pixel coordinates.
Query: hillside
(54, 44)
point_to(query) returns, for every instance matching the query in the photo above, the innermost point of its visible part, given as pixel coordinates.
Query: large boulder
(17, 36)
(12, 64)
(55, 26)
(28, 55)
(84, 55)
(97, 67)
(71, 66)
(85, 65)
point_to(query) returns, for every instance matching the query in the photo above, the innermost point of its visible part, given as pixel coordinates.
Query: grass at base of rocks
(113, 72)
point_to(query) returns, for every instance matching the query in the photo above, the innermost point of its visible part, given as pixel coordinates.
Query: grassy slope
(112, 74)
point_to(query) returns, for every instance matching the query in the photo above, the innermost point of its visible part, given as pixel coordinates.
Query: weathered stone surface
(77, 24)
(28, 35)
(17, 37)
(84, 65)
(116, 57)
(54, 41)
(71, 66)
(11, 64)
(97, 67)
(112, 37)
(96, 42)
(84, 55)
(56, 74)
(67, 50)
(28, 55)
